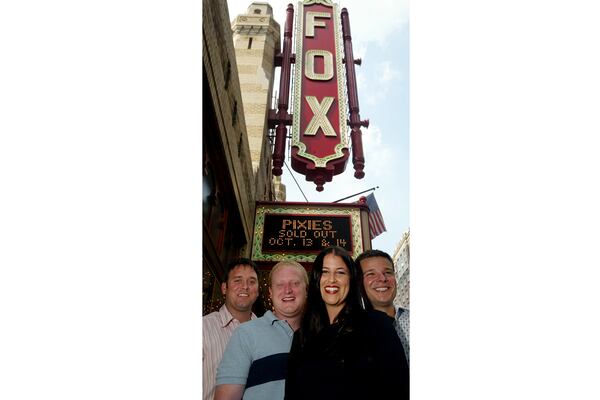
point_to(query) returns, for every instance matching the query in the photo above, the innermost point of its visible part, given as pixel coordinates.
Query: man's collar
(226, 316)
(270, 317)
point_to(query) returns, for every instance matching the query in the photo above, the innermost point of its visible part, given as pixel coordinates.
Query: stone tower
(256, 39)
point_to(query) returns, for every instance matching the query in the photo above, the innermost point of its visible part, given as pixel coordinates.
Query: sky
(383, 92)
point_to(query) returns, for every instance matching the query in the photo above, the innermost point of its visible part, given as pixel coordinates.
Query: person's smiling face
(241, 288)
(334, 284)
(379, 281)
(288, 292)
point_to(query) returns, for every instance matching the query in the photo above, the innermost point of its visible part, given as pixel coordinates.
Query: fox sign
(319, 131)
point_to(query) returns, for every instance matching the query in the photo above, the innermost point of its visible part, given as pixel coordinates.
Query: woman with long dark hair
(342, 351)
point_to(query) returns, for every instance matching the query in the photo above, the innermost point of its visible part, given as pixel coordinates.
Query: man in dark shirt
(379, 286)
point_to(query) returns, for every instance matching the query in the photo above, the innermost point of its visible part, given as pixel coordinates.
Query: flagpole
(356, 194)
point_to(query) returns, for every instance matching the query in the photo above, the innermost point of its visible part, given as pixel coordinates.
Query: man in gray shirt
(255, 359)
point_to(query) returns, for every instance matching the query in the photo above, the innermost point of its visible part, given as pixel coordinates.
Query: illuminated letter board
(299, 231)
(306, 233)
(319, 134)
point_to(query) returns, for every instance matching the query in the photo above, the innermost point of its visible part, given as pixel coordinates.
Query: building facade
(401, 259)
(256, 39)
(237, 78)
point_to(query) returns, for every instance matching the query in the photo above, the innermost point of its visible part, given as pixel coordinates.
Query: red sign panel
(319, 135)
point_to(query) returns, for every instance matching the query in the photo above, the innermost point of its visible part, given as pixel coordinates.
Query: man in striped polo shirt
(240, 288)
(254, 364)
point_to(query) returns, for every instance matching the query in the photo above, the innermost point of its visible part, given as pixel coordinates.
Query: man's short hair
(374, 253)
(294, 264)
(235, 263)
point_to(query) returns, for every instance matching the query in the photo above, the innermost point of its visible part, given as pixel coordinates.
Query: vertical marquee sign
(320, 122)
(319, 135)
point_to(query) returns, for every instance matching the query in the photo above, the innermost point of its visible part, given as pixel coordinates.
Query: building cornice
(255, 25)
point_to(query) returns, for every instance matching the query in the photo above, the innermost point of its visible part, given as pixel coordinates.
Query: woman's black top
(365, 361)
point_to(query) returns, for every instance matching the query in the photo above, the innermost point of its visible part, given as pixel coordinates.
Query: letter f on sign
(312, 22)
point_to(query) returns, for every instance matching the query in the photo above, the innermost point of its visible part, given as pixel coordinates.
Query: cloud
(387, 73)
(359, 50)
(361, 83)
(375, 21)
(378, 155)
(374, 88)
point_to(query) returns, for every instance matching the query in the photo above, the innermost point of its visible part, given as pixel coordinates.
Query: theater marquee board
(299, 231)
(319, 134)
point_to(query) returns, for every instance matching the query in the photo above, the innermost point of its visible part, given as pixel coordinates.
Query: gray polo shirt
(256, 356)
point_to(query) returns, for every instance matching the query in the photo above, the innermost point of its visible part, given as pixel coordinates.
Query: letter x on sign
(319, 119)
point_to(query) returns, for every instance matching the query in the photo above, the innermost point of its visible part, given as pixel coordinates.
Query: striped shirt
(256, 357)
(217, 328)
(402, 328)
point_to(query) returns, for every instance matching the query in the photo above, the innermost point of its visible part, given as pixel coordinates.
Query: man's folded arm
(229, 392)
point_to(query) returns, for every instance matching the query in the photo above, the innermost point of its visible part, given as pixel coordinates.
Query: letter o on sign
(309, 66)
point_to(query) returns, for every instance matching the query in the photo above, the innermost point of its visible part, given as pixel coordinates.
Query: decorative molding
(323, 2)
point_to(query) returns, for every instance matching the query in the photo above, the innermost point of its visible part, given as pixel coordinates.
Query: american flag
(376, 225)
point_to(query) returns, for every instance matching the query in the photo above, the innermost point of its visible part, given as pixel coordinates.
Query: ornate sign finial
(324, 2)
